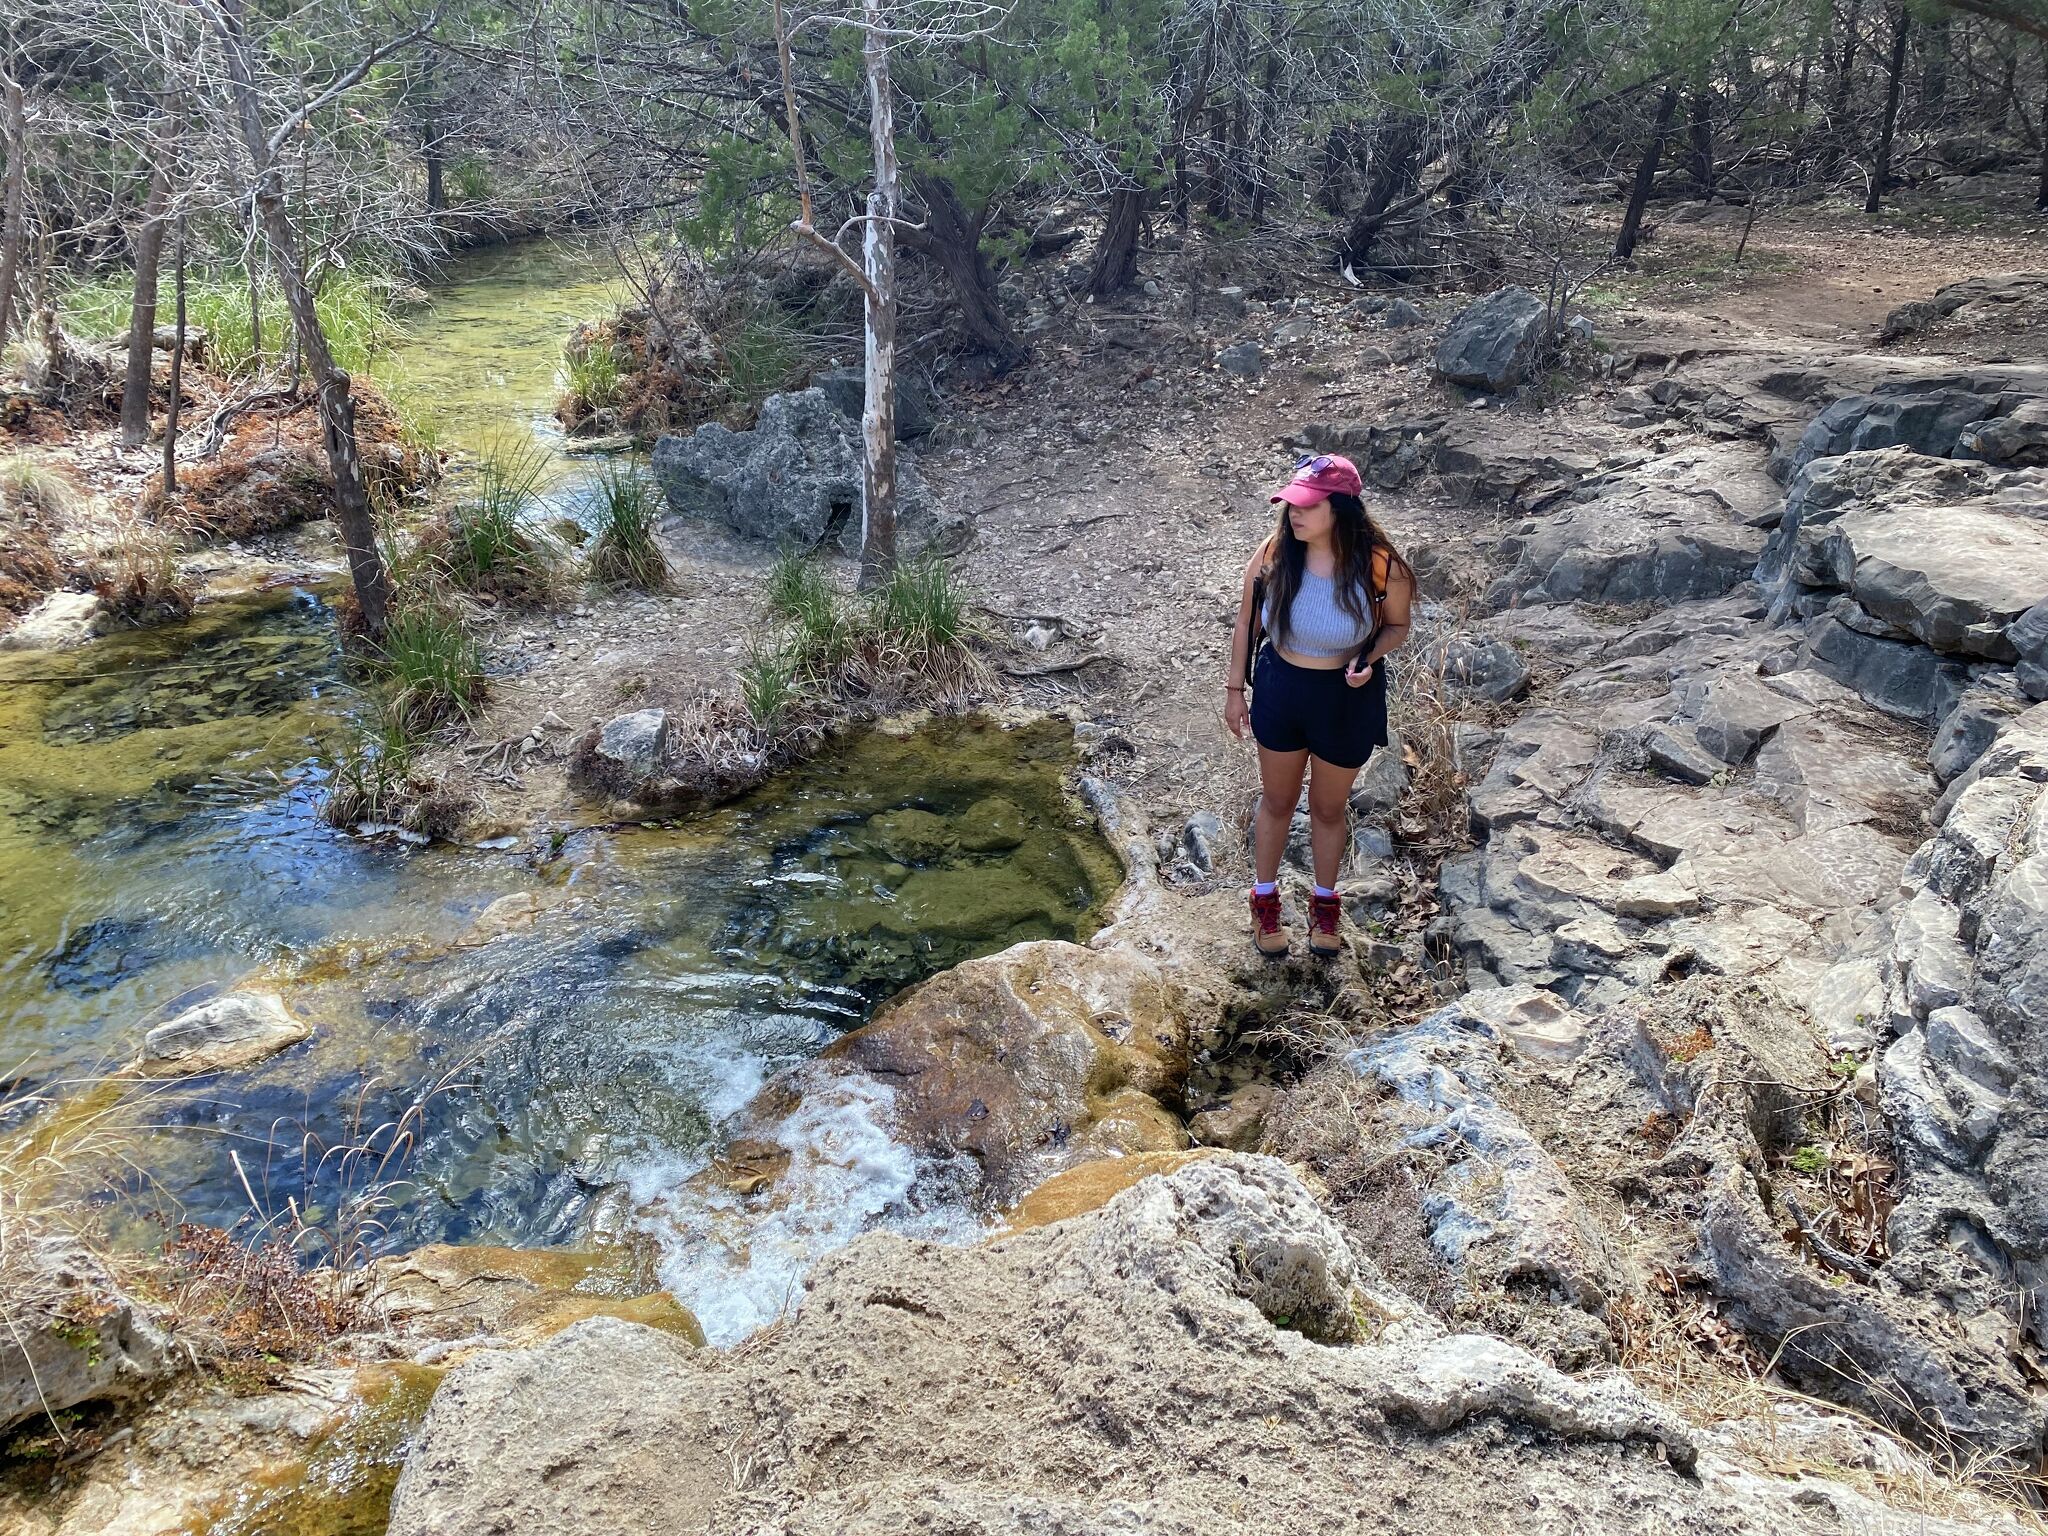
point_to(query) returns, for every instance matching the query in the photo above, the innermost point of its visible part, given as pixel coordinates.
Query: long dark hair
(1356, 537)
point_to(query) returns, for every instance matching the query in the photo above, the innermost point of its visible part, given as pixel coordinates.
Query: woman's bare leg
(1329, 818)
(1280, 776)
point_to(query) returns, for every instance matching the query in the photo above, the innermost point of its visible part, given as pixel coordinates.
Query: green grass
(768, 680)
(921, 607)
(593, 372)
(431, 664)
(373, 772)
(490, 546)
(627, 551)
(354, 309)
(760, 353)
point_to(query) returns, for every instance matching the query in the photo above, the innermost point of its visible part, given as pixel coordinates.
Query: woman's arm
(1236, 713)
(1241, 634)
(1389, 633)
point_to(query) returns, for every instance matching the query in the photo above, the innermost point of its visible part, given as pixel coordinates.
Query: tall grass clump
(768, 681)
(354, 307)
(627, 549)
(593, 375)
(431, 663)
(136, 573)
(921, 607)
(36, 490)
(825, 628)
(485, 541)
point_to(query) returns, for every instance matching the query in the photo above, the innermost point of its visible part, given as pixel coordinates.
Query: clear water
(484, 359)
(159, 844)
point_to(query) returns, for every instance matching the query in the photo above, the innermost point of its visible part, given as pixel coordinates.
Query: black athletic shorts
(1296, 707)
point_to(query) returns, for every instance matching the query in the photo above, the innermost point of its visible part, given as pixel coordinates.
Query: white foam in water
(739, 1269)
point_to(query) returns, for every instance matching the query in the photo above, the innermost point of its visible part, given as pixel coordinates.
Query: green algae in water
(344, 1485)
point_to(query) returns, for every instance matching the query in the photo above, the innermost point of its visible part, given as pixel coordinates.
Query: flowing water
(483, 361)
(561, 1068)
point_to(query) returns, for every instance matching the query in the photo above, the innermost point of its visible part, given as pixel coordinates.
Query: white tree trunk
(878, 250)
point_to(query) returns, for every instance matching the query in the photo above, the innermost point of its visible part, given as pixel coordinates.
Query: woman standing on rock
(1325, 599)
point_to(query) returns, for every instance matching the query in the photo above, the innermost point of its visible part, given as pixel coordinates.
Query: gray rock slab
(1954, 577)
(58, 622)
(232, 1030)
(633, 744)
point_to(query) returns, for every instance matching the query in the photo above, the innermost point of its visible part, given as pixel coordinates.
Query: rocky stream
(914, 1145)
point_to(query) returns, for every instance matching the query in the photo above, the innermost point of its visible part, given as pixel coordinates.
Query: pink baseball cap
(1325, 474)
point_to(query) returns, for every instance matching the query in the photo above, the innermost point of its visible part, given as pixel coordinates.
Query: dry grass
(29, 567)
(135, 571)
(1675, 1345)
(271, 473)
(34, 491)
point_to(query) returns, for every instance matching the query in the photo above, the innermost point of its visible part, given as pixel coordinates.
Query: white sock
(1325, 892)
(1265, 887)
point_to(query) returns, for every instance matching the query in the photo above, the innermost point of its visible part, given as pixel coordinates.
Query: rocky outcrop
(72, 1336)
(1495, 343)
(1204, 1351)
(1962, 997)
(233, 1030)
(794, 480)
(1500, 1211)
(1993, 292)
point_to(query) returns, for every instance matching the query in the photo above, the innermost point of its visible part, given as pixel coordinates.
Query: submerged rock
(1031, 1060)
(233, 1030)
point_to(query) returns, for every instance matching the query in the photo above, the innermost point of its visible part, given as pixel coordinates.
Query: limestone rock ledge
(1203, 1352)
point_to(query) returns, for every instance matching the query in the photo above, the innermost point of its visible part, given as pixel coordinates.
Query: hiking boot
(1269, 934)
(1323, 939)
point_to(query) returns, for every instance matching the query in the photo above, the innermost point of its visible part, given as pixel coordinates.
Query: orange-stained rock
(457, 1291)
(1032, 1060)
(1090, 1186)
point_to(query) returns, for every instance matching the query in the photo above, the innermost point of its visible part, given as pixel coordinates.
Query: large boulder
(2020, 438)
(794, 480)
(1926, 420)
(1032, 1060)
(72, 1335)
(1496, 343)
(847, 389)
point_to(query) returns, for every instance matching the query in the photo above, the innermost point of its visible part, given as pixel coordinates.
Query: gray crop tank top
(1318, 626)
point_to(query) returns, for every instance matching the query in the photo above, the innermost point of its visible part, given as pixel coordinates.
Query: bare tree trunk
(1646, 176)
(953, 239)
(352, 513)
(1114, 266)
(1700, 124)
(255, 274)
(878, 253)
(2041, 196)
(149, 244)
(1881, 173)
(1934, 69)
(177, 380)
(1845, 68)
(13, 232)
